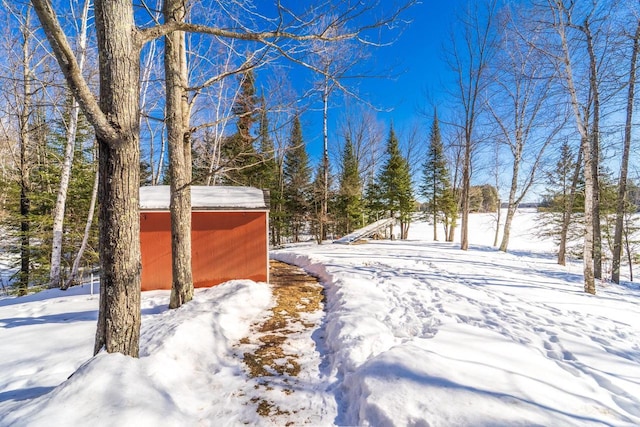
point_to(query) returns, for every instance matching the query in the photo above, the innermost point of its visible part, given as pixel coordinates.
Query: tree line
(101, 97)
(166, 77)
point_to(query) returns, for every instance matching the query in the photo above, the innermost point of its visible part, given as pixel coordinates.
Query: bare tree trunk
(624, 167)
(119, 315)
(595, 152)
(25, 162)
(55, 275)
(512, 205)
(629, 257)
(179, 156)
(466, 188)
(325, 162)
(435, 211)
(586, 145)
(85, 239)
(469, 59)
(568, 210)
(498, 217)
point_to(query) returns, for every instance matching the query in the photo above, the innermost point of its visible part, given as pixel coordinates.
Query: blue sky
(418, 69)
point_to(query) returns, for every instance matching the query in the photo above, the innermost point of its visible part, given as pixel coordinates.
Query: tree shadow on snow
(24, 393)
(80, 316)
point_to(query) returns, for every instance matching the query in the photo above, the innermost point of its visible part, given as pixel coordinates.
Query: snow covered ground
(416, 333)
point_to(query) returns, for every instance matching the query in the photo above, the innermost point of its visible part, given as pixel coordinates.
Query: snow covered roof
(207, 198)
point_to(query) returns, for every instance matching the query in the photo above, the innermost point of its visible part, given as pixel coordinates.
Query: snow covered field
(415, 333)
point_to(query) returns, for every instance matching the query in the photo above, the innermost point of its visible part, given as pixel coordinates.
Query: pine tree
(265, 172)
(436, 186)
(564, 200)
(238, 151)
(350, 203)
(297, 176)
(395, 185)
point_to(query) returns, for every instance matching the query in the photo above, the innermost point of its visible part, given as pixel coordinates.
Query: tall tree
(177, 118)
(238, 152)
(565, 19)
(436, 185)
(297, 180)
(522, 107)
(350, 202)
(624, 166)
(55, 278)
(469, 54)
(394, 183)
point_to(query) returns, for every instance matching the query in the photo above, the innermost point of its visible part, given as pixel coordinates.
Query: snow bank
(187, 373)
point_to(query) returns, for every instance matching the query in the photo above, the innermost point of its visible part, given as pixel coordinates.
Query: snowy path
(512, 339)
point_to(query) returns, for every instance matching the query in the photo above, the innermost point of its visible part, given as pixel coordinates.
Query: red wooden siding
(224, 245)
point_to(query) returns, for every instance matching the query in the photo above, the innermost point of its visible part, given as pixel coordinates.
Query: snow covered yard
(415, 333)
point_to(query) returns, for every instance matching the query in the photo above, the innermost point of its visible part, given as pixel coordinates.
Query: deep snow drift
(415, 333)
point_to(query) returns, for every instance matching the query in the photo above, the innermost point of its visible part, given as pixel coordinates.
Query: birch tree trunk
(179, 155)
(568, 210)
(87, 230)
(55, 275)
(25, 164)
(624, 167)
(594, 146)
(586, 146)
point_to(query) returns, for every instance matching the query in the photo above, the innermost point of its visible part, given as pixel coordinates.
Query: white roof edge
(206, 198)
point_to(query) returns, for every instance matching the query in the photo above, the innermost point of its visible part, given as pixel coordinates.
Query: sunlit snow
(416, 333)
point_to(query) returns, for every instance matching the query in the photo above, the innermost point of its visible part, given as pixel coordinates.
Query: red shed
(229, 235)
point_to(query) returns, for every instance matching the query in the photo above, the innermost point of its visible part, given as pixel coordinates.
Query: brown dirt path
(271, 360)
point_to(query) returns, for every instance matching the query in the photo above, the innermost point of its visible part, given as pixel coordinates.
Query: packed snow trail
(473, 338)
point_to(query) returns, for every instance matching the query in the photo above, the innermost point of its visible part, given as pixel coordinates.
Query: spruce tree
(436, 186)
(238, 152)
(265, 172)
(297, 177)
(395, 185)
(350, 202)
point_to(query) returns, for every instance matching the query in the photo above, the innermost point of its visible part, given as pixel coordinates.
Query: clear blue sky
(418, 69)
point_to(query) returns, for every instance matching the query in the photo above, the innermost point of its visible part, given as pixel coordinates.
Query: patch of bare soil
(269, 362)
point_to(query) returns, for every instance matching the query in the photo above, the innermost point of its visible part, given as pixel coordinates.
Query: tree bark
(325, 161)
(595, 152)
(55, 275)
(513, 205)
(568, 210)
(25, 162)
(119, 169)
(586, 146)
(466, 187)
(177, 113)
(624, 167)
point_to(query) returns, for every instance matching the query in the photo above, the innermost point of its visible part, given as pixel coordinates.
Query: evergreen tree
(350, 204)
(265, 172)
(238, 152)
(436, 186)
(396, 190)
(297, 176)
(268, 175)
(45, 154)
(562, 203)
(373, 203)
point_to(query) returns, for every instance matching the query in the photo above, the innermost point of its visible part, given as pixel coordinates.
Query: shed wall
(224, 246)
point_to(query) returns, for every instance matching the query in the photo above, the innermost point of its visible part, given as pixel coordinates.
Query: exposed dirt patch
(295, 293)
